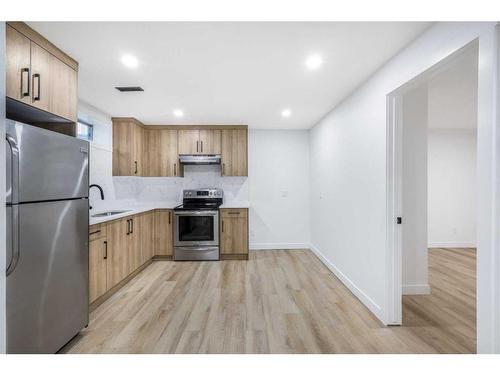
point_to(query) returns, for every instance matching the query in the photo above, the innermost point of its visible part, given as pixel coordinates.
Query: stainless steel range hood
(199, 159)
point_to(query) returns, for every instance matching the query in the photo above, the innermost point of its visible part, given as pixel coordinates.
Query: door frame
(394, 184)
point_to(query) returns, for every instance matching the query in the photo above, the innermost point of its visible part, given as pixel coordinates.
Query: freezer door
(51, 165)
(47, 291)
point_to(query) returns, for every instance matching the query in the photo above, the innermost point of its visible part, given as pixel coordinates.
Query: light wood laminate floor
(278, 302)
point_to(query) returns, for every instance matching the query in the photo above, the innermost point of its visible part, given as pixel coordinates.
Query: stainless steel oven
(196, 225)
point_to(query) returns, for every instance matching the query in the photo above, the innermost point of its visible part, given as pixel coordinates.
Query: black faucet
(100, 189)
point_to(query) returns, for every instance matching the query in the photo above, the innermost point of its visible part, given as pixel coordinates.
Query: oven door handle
(196, 213)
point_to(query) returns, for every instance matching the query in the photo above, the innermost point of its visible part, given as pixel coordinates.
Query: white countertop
(131, 210)
(137, 209)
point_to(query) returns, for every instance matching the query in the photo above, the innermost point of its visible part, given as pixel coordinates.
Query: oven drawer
(233, 212)
(196, 253)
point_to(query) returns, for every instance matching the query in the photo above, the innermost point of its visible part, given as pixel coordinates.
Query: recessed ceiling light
(130, 61)
(314, 61)
(178, 113)
(286, 112)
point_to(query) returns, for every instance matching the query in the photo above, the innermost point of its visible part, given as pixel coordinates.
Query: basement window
(84, 130)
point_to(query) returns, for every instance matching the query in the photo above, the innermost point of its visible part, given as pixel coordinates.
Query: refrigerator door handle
(14, 168)
(15, 240)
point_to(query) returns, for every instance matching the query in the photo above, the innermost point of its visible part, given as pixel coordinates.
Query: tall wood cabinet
(195, 141)
(234, 152)
(39, 74)
(234, 233)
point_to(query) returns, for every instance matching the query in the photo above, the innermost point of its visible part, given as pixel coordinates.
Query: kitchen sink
(109, 213)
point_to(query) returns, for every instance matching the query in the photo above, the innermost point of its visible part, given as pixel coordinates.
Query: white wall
(3, 255)
(278, 163)
(452, 187)
(279, 189)
(349, 176)
(414, 192)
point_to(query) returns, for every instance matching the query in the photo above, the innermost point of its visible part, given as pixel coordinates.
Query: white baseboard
(358, 292)
(278, 246)
(452, 244)
(410, 289)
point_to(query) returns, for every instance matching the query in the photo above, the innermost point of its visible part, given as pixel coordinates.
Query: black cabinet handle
(222, 226)
(105, 249)
(169, 217)
(201, 146)
(132, 226)
(37, 77)
(197, 143)
(223, 169)
(97, 231)
(135, 162)
(128, 227)
(27, 92)
(175, 169)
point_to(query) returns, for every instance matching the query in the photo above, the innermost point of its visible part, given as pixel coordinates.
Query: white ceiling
(226, 73)
(452, 93)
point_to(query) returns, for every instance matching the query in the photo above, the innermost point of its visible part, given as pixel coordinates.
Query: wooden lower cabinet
(234, 233)
(163, 240)
(98, 261)
(121, 247)
(118, 254)
(146, 224)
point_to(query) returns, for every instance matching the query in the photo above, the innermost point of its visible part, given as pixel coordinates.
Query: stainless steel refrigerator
(47, 238)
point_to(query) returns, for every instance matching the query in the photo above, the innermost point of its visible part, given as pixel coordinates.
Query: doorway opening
(433, 197)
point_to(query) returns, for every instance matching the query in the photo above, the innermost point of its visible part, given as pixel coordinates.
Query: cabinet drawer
(234, 212)
(97, 231)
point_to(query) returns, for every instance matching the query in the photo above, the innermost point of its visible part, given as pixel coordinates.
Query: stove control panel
(203, 193)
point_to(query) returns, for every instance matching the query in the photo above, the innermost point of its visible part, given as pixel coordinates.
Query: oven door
(196, 228)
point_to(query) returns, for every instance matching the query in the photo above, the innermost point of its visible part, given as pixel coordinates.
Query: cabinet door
(134, 244)
(163, 232)
(234, 235)
(146, 235)
(210, 141)
(40, 77)
(151, 153)
(138, 150)
(189, 141)
(17, 65)
(63, 89)
(118, 262)
(234, 152)
(168, 153)
(97, 268)
(123, 148)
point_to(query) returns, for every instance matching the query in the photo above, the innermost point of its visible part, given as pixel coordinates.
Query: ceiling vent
(129, 88)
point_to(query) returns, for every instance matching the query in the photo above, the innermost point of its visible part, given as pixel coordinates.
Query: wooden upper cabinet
(39, 74)
(210, 141)
(234, 152)
(18, 63)
(128, 139)
(199, 141)
(189, 141)
(63, 92)
(41, 79)
(160, 153)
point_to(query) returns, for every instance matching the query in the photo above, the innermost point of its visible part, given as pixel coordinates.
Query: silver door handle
(15, 241)
(14, 168)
